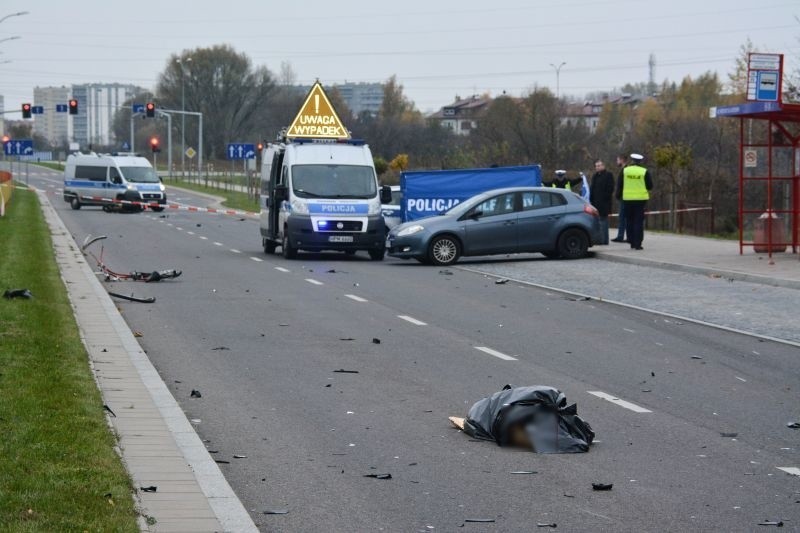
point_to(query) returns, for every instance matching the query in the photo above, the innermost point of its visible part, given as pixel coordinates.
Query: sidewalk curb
(226, 506)
(730, 274)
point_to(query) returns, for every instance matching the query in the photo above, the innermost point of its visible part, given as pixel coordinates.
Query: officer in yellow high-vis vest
(633, 189)
(561, 181)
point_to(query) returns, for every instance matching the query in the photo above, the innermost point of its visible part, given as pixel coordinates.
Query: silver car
(554, 222)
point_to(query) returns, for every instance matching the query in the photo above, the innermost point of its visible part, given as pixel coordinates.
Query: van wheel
(573, 244)
(157, 209)
(74, 203)
(288, 251)
(444, 250)
(269, 246)
(377, 255)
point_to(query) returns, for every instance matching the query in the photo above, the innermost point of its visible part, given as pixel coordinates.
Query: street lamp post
(558, 76)
(183, 115)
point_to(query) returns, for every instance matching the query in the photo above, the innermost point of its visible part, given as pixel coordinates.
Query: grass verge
(233, 199)
(52, 166)
(58, 467)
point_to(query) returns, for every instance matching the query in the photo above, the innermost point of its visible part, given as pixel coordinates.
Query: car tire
(74, 203)
(157, 209)
(573, 244)
(269, 246)
(286, 247)
(552, 254)
(377, 255)
(444, 250)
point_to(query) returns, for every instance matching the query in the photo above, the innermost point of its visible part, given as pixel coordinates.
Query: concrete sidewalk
(713, 257)
(158, 445)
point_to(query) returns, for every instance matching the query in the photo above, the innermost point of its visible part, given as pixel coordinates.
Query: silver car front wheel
(444, 250)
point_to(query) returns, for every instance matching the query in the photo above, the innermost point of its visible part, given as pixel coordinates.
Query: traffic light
(260, 147)
(26, 110)
(73, 107)
(154, 144)
(150, 110)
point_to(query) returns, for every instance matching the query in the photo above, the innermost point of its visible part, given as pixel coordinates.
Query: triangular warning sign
(317, 119)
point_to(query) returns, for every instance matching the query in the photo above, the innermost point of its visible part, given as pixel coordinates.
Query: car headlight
(374, 208)
(410, 230)
(301, 208)
(131, 187)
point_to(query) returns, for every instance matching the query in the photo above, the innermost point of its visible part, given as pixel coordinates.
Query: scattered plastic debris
(536, 417)
(602, 486)
(522, 472)
(222, 461)
(133, 298)
(728, 434)
(793, 425)
(220, 348)
(779, 523)
(276, 511)
(578, 299)
(376, 340)
(18, 293)
(551, 524)
(346, 339)
(379, 476)
(239, 456)
(696, 357)
(195, 394)
(445, 273)
(343, 371)
(151, 488)
(502, 281)
(108, 410)
(480, 520)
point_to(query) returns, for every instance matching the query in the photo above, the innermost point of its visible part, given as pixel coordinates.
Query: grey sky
(436, 49)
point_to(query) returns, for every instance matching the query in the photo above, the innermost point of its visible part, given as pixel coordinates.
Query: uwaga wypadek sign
(317, 118)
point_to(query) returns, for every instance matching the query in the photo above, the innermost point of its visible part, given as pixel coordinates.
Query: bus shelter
(769, 174)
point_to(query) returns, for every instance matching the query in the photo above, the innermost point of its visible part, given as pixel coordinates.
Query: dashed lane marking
(281, 269)
(217, 243)
(234, 250)
(178, 228)
(622, 403)
(256, 259)
(793, 470)
(629, 330)
(412, 320)
(204, 238)
(356, 298)
(190, 233)
(313, 281)
(499, 355)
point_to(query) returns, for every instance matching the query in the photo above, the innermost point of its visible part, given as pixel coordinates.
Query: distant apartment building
(51, 125)
(463, 115)
(97, 105)
(361, 97)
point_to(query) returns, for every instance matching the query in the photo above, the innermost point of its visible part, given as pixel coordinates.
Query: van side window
(83, 172)
(113, 175)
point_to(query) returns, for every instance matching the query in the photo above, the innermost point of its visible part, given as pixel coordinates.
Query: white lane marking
(741, 379)
(169, 223)
(178, 228)
(499, 355)
(217, 243)
(313, 281)
(204, 238)
(256, 259)
(190, 232)
(412, 320)
(282, 269)
(356, 298)
(793, 470)
(629, 330)
(622, 403)
(234, 250)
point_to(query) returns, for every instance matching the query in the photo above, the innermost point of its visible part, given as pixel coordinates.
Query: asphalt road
(261, 337)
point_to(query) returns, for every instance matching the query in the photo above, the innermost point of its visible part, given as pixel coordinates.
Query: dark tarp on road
(537, 417)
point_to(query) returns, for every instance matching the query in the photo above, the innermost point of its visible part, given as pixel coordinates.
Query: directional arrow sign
(18, 147)
(241, 151)
(37, 110)
(137, 108)
(61, 108)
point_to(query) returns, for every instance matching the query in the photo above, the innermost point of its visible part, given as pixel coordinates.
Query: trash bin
(761, 237)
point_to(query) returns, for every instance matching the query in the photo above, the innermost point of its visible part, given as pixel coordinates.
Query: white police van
(122, 176)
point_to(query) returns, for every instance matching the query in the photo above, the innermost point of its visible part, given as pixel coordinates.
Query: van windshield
(333, 181)
(139, 174)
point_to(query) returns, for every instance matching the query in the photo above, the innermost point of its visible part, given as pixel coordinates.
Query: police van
(122, 176)
(319, 188)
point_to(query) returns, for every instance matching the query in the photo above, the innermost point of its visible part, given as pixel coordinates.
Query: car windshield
(139, 174)
(333, 181)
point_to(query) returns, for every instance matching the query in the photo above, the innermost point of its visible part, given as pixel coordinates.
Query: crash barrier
(6, 188)
(694, 220)
(154, 205)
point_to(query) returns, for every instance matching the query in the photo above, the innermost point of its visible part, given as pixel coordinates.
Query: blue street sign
(18, 147)
(138, 108)
(767, 85)
(241, 151)
(61, 108)
(126, 146)
(37, 110)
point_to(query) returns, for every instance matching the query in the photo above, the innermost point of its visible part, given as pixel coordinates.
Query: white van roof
(126, 160)
(329, 153)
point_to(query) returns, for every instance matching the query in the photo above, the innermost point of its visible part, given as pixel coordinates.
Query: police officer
(561, 181)
(633, 189)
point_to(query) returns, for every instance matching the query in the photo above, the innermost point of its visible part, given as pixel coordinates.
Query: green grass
(57, 458)
(233, 199)
(52, 166)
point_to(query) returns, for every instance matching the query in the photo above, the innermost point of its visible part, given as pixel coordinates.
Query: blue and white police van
(123, 176)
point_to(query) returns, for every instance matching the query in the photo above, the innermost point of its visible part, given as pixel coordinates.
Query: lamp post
(558, 76)
(183, 115)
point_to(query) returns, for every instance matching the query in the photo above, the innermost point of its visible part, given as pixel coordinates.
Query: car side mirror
(475, 215)
(386, 194)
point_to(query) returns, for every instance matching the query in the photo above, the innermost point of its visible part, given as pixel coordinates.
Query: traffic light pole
(169, 140)
(199, 133)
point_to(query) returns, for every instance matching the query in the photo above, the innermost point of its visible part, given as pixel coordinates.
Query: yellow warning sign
(317, 119)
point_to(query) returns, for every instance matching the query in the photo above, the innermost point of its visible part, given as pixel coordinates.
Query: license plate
(340, 238)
